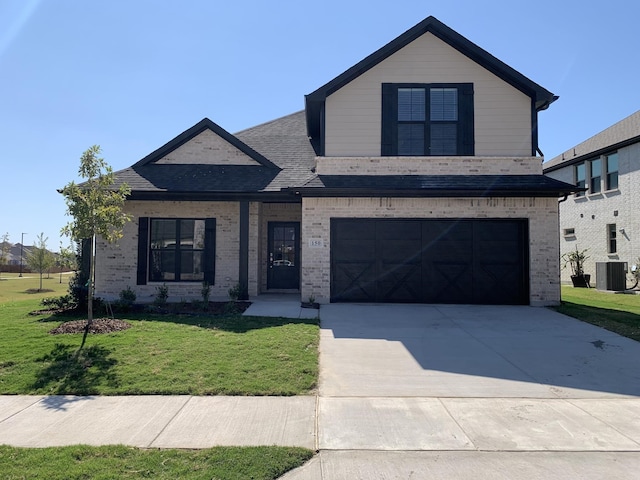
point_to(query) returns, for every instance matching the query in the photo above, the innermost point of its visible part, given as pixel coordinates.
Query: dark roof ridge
(201, 126)
(465, 46)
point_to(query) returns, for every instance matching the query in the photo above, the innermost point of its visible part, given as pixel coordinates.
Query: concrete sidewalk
(158, 421)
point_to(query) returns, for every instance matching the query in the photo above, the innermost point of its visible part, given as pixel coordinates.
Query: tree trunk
(92, 262)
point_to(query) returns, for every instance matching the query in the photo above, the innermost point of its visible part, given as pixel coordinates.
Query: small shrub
(162, 294)
(65, 302)
(126, 300)
(237, 292)
(127, 296)
(231, 308)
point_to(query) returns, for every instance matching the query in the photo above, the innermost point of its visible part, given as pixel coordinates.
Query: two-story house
(603, 219)
(411, 177)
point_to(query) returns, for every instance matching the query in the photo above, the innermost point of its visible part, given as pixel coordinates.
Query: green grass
(159, 354)
(119, 462)
(618, 313)
(15, 288)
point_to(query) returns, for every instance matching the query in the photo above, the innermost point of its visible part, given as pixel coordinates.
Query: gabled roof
(315, 100)
(196, 130)
(623, 133)
(284, 141)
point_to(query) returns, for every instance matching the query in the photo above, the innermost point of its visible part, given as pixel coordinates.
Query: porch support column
(243, 273)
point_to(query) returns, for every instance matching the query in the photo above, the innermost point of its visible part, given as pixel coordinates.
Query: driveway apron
(522, 386)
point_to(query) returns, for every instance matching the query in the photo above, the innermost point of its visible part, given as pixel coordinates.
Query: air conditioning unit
(611, 276)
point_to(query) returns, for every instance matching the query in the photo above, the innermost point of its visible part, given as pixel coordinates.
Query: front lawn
(619, 313)
(159, 354)
(116, 462)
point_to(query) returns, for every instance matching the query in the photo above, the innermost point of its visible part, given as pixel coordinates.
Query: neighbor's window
(569, 232)
(580, 176)
(611, 165)
(596, 176)
(612, 246)
(427, 119)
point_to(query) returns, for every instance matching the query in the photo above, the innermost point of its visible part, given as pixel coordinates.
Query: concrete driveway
(447, 391)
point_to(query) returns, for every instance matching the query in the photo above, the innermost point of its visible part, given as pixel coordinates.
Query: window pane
(596, 172)
(444, 104)
(191, 269)
(192, 234)
(612, 171)
(411, 104)
(611, 234)
(411, 139)
(163, 264)
(163, 233)
(444, 139)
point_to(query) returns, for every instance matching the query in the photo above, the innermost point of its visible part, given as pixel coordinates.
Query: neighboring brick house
(411, 177)
(604, 219)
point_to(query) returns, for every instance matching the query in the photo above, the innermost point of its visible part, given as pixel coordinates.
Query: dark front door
(284, 255)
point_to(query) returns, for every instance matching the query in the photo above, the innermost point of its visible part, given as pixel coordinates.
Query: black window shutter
(389, 140)
(210, 250)
(466, 140)
(143, 249)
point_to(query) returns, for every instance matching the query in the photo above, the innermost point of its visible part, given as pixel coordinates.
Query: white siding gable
(502, 124)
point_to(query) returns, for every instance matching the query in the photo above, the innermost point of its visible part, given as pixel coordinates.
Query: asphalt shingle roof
(436, 185)
(627, 129)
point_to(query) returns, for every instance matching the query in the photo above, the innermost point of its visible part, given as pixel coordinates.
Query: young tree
(5, 249)
(66, 258)
(39, 258)
(96, 207)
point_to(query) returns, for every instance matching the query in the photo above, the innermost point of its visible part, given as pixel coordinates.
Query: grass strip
(120, 462)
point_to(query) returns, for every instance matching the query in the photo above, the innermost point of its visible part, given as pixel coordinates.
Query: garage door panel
(447, 282)
(400, 283)
(355, 282)
(430, 261)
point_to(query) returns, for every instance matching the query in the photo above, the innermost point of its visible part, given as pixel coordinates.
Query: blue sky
(130, 75)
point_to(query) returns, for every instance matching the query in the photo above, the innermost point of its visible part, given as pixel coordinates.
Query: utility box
(611, 276)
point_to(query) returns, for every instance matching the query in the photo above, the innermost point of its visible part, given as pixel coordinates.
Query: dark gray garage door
(430, 261)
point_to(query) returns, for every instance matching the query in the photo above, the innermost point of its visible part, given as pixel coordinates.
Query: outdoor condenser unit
(611, 276)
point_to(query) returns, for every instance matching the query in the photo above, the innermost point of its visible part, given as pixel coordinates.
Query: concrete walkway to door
(444, 391)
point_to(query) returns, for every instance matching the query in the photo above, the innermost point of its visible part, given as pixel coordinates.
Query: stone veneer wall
(542, 214)
(429, 165)
(116, 264)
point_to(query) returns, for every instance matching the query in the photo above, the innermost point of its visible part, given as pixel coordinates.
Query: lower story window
(612, 245)
(176, 250)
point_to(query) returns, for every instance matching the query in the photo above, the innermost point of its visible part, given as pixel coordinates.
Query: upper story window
(580, 175)
(611, 166)
(427, 119)
(595, 178)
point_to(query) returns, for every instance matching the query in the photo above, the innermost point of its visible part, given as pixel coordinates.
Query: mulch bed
(99, 325)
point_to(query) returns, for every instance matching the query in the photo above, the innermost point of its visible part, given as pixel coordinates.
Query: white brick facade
(429, 166)
(589, 215)
(542, 214)
(117, 263)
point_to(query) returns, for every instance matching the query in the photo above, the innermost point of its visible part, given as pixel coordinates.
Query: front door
(284, 255)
